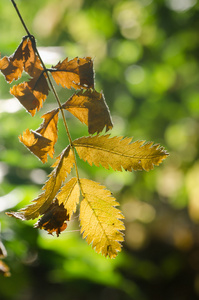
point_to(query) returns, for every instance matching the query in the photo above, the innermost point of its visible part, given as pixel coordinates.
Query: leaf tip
(17, 215)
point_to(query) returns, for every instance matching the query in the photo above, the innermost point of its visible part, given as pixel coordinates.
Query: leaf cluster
(100, 219)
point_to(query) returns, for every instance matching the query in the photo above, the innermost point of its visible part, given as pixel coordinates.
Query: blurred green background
(146, 59)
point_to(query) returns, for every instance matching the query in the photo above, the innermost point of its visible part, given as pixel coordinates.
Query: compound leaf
(100, 220)
(119, 152)
(62, 168)
(76, 73)
(91, 109)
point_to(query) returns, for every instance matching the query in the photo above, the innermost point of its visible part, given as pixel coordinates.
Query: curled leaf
(76, 73)
(119, 152)
(23, 59)
(100, 220)
(37, 144)
(54, 219)
(32, 94)
(41, 142)
(91, 109)
(32, 63)
(48, 128)
(12, 66)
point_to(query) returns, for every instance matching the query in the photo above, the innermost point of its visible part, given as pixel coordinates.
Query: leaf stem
(20, 17)
(32, 38)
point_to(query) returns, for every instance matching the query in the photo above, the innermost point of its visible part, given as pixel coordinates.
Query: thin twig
(32, 38)
(20, 17)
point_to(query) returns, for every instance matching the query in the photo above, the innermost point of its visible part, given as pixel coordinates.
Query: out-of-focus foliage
(146, 61)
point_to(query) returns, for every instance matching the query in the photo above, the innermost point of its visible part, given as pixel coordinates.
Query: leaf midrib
(118, 153)
(93, 212)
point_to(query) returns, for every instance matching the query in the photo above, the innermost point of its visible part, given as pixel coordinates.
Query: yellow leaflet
(119, 152)
(69, 196)
(100, 219)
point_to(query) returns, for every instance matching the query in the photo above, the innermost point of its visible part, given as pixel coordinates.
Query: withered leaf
(37, 144)
(100, 220)
(62, 168)
(12, 66)
(48, 128)
(32, 63)
(24, 59)
(41, 142)
(4, 269)
(69, 196)
(119, 152)
(32, 94)
(54, 219)
(91, 109)
(76, 73)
